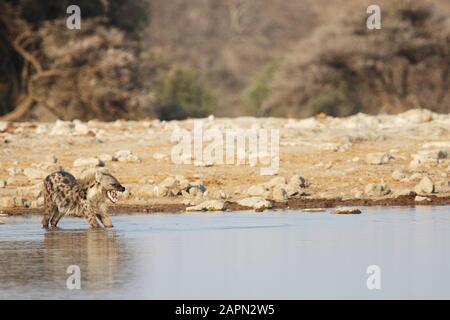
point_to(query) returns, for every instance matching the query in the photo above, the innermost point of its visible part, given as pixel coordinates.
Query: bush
(181, 93)
(344, 68)
(54, 72)
(130, 16)
(332, 102)
(258, 90)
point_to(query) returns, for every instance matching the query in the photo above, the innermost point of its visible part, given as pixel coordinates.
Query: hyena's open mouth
(112, 195)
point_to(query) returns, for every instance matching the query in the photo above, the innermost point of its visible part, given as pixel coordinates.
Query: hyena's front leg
(50, 209)
(56, 217)
(89, 214)
(103, 216)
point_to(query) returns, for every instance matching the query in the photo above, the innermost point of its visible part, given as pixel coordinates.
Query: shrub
(345, 68)
(181, 93)
(258, 90)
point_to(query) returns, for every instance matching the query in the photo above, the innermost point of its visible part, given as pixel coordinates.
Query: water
(290, 255)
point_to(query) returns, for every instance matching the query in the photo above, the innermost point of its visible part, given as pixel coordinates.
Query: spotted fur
(64, 194)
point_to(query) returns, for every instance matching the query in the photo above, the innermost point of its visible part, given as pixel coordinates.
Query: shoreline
(293, 204)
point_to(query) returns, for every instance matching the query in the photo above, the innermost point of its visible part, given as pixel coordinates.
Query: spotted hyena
(86, 197)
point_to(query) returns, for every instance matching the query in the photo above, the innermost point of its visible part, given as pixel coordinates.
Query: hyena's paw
(92, 221)
(45, 223)
(105, 220)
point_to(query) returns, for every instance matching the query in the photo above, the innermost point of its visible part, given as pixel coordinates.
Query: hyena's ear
(98, 176)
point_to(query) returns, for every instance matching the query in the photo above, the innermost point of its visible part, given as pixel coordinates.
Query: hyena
(86, 197)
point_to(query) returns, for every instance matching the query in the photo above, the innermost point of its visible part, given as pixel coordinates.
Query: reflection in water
(43, 263)
(289, 255)
(96, 252)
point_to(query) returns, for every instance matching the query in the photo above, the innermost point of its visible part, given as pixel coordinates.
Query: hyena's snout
(120, 188)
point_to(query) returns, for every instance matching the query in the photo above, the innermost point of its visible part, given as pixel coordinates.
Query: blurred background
(190, 58)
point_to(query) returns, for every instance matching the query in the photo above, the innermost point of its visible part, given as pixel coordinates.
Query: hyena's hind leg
(89, 214)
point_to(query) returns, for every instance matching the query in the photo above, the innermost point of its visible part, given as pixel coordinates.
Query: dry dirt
(329, 152)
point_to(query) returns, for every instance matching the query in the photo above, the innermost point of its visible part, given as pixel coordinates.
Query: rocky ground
(324, 162)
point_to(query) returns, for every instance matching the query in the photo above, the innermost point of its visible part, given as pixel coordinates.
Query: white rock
(105, 157)
(415, 164)
(126, 156)
(279, 194)
(88, 162)
(40, 202)
(32, 192)
(62, 128)
(2, 184)
(376, 190)
(11, 202)
(437, 144)
(255, 203)
(417, 115)
(21, 202)
(7, 202)
(426, 155)
(168, 182)
(41, 129)
(82, 128)
(314, 210)
(145, 191)
(35, 174)
(184, 184)
(403, 192)
(358, 194)
(209, 205)
(257, 191)
(4, 125)
(378, 158)
(17, 181)
(345, 210)
(276, 181)
(133, 158)
(123, 153)
(203, 163)
(424, 186)
(415, 176)
(398, 175)
(160, 191)
(188, 201)
(194, 192)
(160, 156)
(146, 180)
(217, 194)
(13, 171)
(299, 181)
(296, 186)
(421, 199)
(51, 158)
